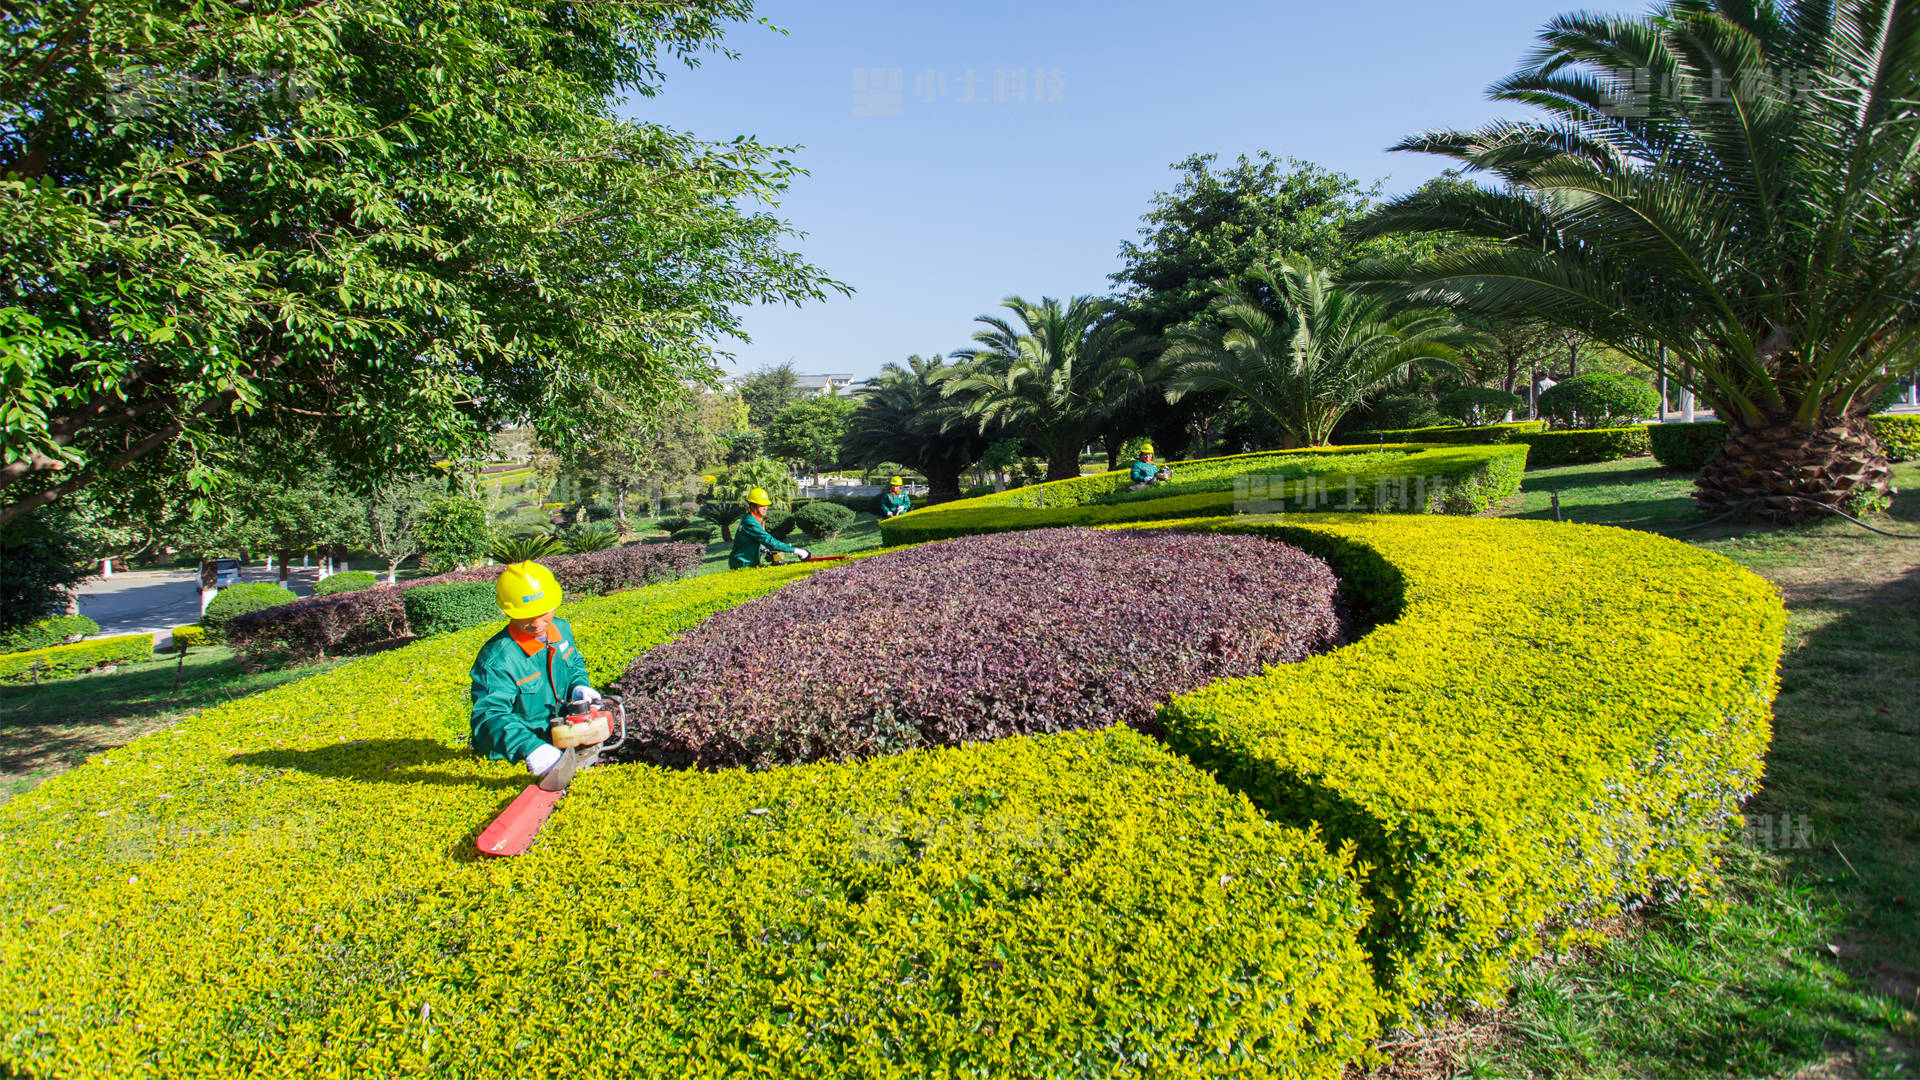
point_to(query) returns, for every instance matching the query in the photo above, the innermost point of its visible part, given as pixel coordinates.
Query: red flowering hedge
(314, 626)
(975, 639)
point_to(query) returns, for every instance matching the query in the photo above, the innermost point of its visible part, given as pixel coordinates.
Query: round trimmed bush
(346, 581)
(47, 632)
(1598, 399)
(974, 639)
(700, 532)
(449, 606)
(822, 520)
(241, 599)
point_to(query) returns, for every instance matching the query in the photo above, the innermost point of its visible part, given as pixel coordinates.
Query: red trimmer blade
(513, 831)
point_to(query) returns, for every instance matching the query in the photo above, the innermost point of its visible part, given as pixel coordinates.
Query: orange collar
(526, 641)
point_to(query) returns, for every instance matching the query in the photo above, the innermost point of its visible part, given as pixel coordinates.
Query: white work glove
(585, 693)
(544, 757)
(802, 554)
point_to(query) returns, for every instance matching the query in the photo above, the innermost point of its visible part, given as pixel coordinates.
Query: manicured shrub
(671, 525)
(449, 606)
(1541, 735)
(235, 893)
(1477, 406)
(780, 522)
(1598, 399)
(701, 534)
(1686, 447)
(1547, 449)
(975, 639)
(186, 637)
(237, 600)
(822, 520)
(48, 632)
(1485, 434)
(1402, 478)
(346, 581)
(61, 661)
(1405, 411)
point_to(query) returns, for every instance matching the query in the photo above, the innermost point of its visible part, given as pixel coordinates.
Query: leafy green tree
(42, 563)
(768, 391)
(1051, 375)
(1309, 354)
(809, 432)
(390, 225)
(652, 452)
(393, 512)
(453, 532)
(902, 416)
(1730, 187)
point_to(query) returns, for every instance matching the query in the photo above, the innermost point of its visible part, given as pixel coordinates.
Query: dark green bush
(700, 532)
(780, 522)
(823, 520)
(1598, 399)
(1405, 411)
(1484, 435)
(239, 600)
(456, 605)
(1686, 447)
(347, 581)
(1547, 449)
(671, 525)
(48, 632)
(1479, 405)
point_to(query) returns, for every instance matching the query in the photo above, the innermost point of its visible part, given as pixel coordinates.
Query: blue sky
(934, 207)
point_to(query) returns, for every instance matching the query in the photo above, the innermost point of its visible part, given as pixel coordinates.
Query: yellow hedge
(285, 886)
(1557, 718)
(78, 658)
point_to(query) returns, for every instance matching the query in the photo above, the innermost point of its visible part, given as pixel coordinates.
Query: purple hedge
(973, 639)
(315, 626)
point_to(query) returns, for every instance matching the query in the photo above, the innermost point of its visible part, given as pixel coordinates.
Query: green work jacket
(1144, 471)
(749, 536)
(517, 695)
(893, 505)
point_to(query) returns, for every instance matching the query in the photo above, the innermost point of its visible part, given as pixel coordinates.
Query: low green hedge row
(186, 637)
(46, 633)
(60, 661)
(454, 605)
(283, 886)
(1485, 434)
(1585, 446)
(346, 581)
(1687, 447)
(1559, 719)
(1410, 478)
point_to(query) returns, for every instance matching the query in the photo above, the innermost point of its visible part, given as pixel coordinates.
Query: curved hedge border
(1687, 447)
(284, 886)
(1425, 479)
(1560, 717)
(1584, 446)
(61, 661)
(1485, 434)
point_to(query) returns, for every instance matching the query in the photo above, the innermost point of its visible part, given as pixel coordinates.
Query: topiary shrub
(186, 637)
(701, 533)
(780, 522)
(241, 599)
(450, 606)
(63, 661)
(822, 520)
(346, 581)
(1546, 449)
(47, 632)
(1476, 406)
(975, 639)
(1598, 399)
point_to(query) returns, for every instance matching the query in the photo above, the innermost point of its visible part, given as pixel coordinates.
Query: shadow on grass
(382, 761)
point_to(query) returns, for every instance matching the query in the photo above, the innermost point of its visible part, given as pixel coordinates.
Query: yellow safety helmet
(1146, 448)
(526, 590)
(758, 497)
(894, 482)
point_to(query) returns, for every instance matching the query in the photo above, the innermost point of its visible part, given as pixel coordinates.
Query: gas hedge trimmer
(513, 831)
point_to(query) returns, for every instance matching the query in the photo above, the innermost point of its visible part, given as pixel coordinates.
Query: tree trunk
(284, 556)
(943, 481)
(1064, 467)
(1784, 473)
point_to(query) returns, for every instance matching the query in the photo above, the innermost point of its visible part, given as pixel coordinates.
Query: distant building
(814, 385)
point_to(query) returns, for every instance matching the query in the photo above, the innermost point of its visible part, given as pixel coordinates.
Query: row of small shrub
(48, 632)
(60, 661)
(1404, 478)
(1486, 434)
(1584, 446)
(974, 639)
(346, 622)
(268, 888)
(1687, 447)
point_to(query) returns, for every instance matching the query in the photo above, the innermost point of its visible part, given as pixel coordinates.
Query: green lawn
(1804, 962)
(50, 728)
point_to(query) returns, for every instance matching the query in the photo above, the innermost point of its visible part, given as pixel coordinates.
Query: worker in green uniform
(526, 674)
(895, 502)
(750, 536)
(1143, 472)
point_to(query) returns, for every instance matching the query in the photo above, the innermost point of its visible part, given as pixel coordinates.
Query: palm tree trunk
(943, 481)
(1063, 466)
(1785, 473)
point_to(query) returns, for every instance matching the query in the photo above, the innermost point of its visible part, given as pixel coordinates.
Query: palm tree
(1731, 186)
(1052, 380)
(1303, 350)
(904, 416)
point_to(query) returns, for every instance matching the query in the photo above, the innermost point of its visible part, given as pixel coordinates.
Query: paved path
(156, 601)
